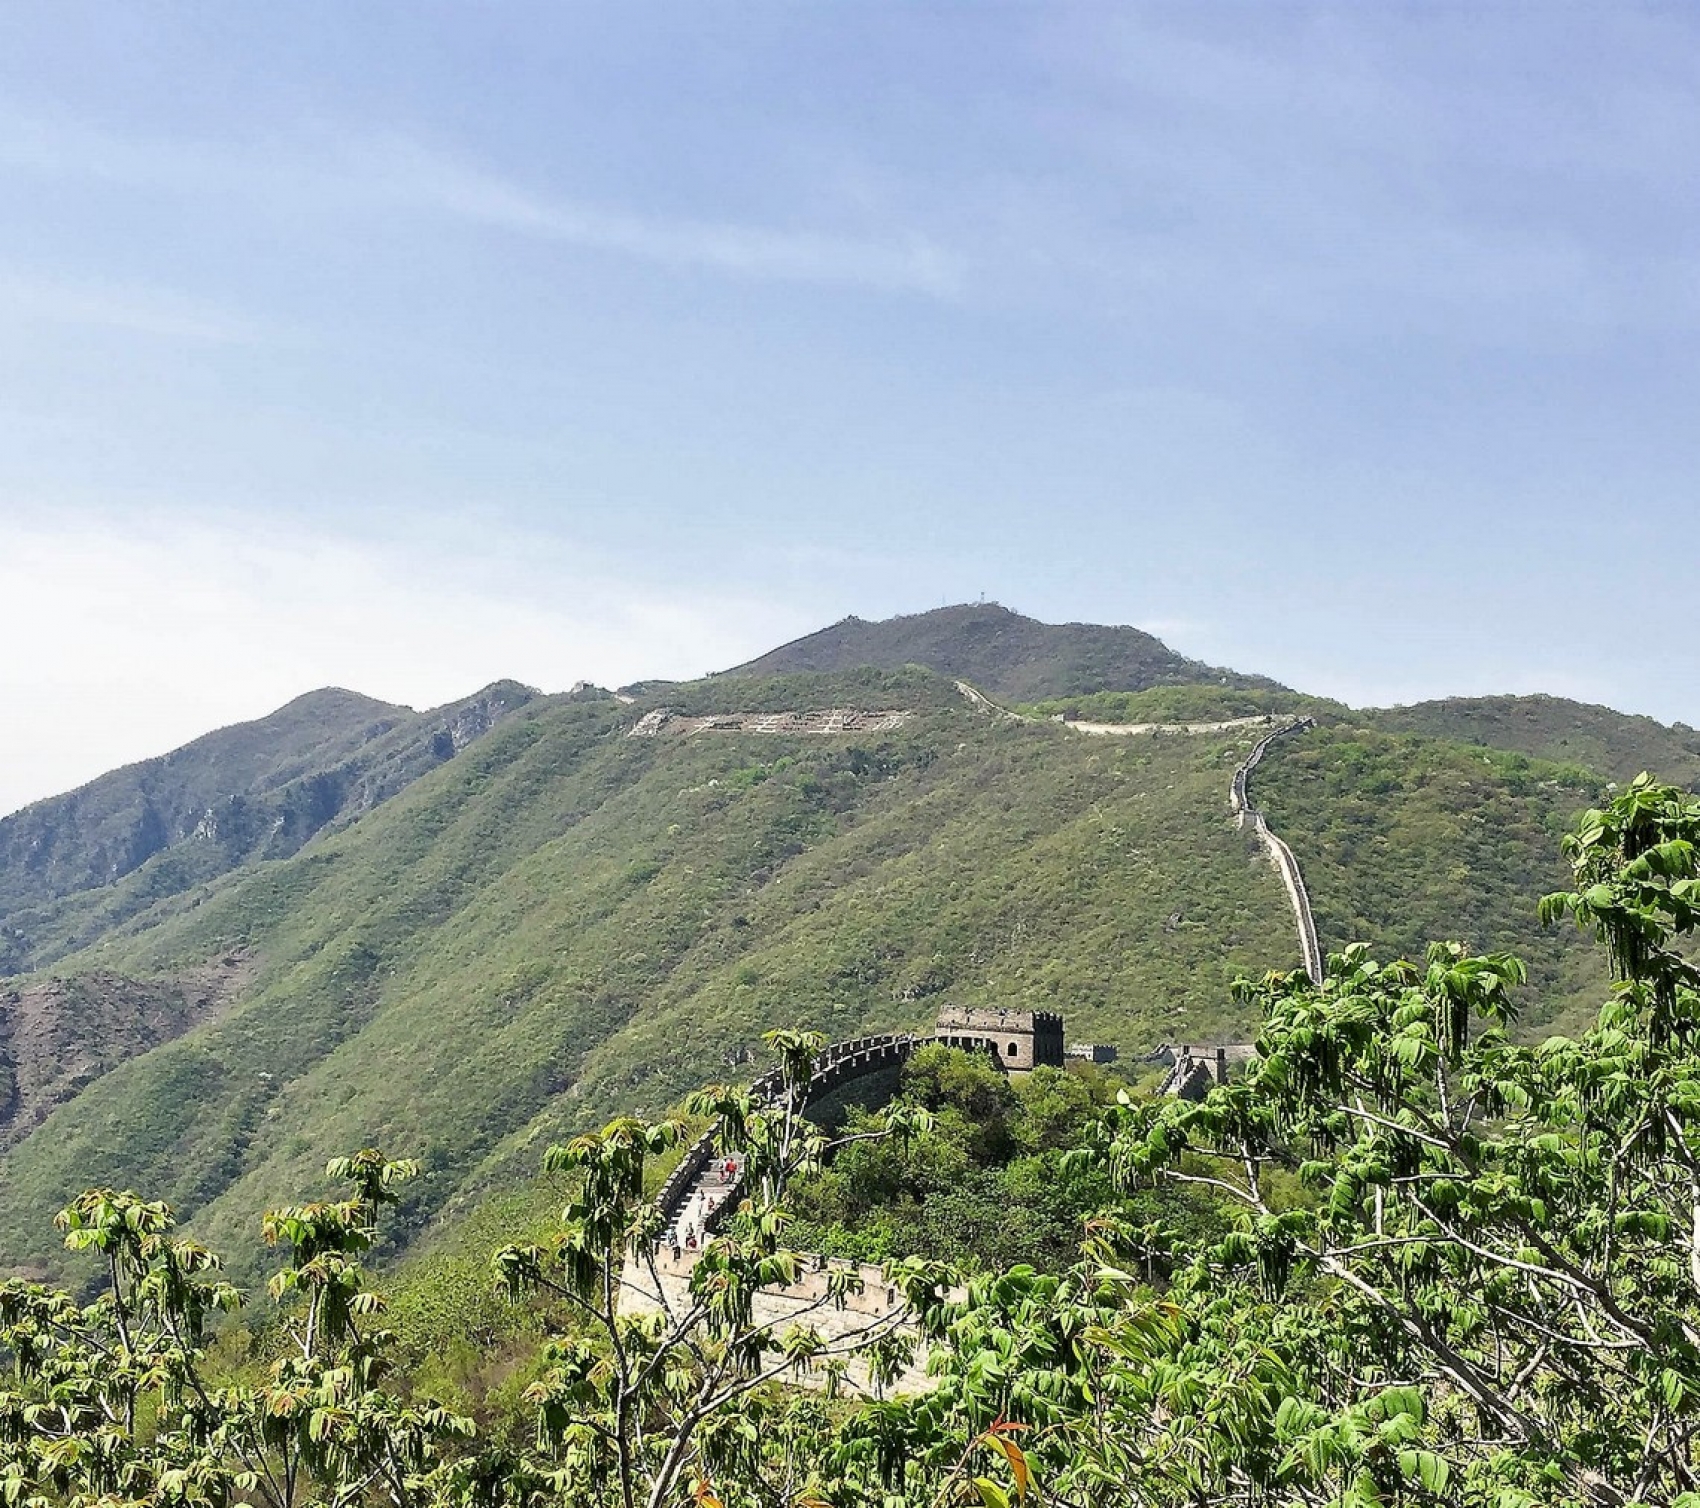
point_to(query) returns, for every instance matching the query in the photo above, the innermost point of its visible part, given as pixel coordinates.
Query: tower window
(1009, 1051)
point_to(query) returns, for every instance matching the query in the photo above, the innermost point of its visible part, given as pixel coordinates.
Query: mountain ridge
(76, 864)
(999, 651)
(558, 921)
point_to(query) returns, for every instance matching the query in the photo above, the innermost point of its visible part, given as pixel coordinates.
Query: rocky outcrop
(252, 792)
(59, 1035)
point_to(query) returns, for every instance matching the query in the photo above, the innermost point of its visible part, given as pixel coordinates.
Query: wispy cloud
(141, 311)
(355, 172)
(431, 181)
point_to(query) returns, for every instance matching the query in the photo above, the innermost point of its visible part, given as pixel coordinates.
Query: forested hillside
(1554, 728)
(564, 919)
(74, 866)
(567, 920)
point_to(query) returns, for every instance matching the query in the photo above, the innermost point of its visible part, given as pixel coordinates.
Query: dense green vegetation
(1558, 730)
(865, 688)
(1403, 838)
(1439, 1267)
(990, 1183)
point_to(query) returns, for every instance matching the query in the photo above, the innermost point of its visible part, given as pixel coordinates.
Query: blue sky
(409, 346)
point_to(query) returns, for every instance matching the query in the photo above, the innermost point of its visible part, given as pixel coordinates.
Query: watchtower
(1019, 1040)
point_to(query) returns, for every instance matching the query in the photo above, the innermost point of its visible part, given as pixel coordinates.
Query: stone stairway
(702, 1198)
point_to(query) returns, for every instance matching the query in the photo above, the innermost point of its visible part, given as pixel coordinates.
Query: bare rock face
(59, 1035)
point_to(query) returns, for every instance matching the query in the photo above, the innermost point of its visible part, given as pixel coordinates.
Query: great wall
(1280, 855)
(831, 720)
(847, 1302)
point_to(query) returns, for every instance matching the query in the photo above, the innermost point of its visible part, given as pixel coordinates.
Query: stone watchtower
(1018, 1039)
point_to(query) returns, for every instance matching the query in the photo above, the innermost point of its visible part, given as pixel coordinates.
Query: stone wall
(830, 720)
(1281, 856)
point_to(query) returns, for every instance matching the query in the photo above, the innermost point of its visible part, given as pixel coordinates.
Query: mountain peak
(999, 650)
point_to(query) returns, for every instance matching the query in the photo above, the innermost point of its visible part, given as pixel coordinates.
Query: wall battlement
(1020, 1040)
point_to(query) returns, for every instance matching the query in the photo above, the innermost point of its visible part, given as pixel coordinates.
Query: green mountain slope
(461, 933)
(74, 867)
(1405, 840)
(1001, 652)
(114, 824)
(567, 920)
(58, 1035)
(1553, 728)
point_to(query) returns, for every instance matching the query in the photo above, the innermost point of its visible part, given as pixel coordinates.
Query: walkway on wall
(695, 1198)
(1281, 856)
(694, 1193)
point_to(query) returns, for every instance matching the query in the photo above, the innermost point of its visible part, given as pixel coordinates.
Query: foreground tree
(112, 1401)
(662, 1387)
(666, 1390)
(1464, 1271)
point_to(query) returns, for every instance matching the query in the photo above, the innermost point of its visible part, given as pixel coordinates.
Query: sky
(410, 346)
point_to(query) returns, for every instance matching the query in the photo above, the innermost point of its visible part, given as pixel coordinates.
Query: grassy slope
(564, 921)
(1554, 728)
(1404, 840)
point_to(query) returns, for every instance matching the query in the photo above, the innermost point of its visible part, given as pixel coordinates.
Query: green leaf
(1427, 1468)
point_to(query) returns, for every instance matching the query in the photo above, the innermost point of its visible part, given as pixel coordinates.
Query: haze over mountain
(462, 932)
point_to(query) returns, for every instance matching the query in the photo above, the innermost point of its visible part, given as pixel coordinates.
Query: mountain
(113, 825)
(1551, 727)
(523, 914)
(1018, 659)
(74, 867)
(597, 907)
(568, 920)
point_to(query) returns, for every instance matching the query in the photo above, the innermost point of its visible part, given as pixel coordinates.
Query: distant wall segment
(1280, 855)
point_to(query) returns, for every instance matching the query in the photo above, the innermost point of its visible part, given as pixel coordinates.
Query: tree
(648, 1397)
(112, 1401)
(1487, 1289)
